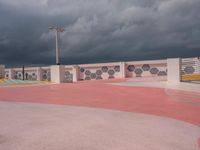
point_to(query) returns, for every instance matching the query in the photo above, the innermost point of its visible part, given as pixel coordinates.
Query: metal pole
(23, 72)
(57, 30)
(57, 49)
(199, 64)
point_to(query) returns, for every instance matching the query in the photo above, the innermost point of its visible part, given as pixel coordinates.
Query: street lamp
(57, 30)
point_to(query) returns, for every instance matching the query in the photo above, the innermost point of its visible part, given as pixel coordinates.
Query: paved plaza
(100, 115)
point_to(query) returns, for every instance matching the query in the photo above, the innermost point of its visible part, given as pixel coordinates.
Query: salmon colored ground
(100, 94)
(199, 142)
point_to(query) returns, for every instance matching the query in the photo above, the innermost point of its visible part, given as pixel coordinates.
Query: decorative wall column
(199, 64)
(123, 69)
(11, 73)
(173, 70)
(57, 73)
(75, 71)
(39, 74)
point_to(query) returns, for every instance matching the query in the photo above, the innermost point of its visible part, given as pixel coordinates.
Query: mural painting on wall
(190, 69)
(104, 72)
(68, 76)
(46, 75)
(152, 70)
(28, 75)
(6, 74)
(18, 75)
(190, 66)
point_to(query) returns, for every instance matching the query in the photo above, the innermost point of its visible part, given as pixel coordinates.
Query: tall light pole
(57, 30)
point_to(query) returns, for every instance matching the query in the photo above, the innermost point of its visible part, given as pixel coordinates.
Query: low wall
(130, 69)
(100, 71)
(153, 68)
(172, 70)
(31, 73)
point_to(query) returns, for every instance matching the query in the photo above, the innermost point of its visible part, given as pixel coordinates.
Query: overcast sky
(98, 30)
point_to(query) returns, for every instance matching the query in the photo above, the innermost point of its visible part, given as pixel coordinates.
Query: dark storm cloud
(98, 31)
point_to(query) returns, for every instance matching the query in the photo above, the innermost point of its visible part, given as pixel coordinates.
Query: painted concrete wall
(100, 71)
(131, 69)
(190, 65)
(68, 74)
(168, 69)
(31, 73)
(155, 68)
(190, 69)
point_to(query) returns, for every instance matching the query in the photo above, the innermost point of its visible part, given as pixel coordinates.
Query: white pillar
(173, 70)
(199, 64)
(75, 73)
(11, 73)
(39, 74)
(122, 69)
(57, 73)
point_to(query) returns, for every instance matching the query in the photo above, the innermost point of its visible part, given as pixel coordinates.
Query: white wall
(91, 71)
(32, 73)
(168, 69)
(174, 70)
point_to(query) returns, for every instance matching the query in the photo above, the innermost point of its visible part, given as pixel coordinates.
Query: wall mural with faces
(18, 75)
(6, 75)
(68, 75)
(31, 75)
(28, 75)
(46, 75)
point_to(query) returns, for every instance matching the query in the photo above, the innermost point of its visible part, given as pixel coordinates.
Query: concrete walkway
(149, 82)
(52, 127)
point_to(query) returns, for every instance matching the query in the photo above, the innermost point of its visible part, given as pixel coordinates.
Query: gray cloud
(98, 31)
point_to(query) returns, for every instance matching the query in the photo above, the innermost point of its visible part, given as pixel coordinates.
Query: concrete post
(39, 74)
(173, 70)
(199, 64)
(75, 71)
(11, 73)
(57, 73)
(122, 69)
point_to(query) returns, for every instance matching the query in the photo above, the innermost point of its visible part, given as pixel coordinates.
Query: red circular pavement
(179, 105)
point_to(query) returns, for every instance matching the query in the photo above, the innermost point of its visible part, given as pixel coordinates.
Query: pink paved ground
(99, 94)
